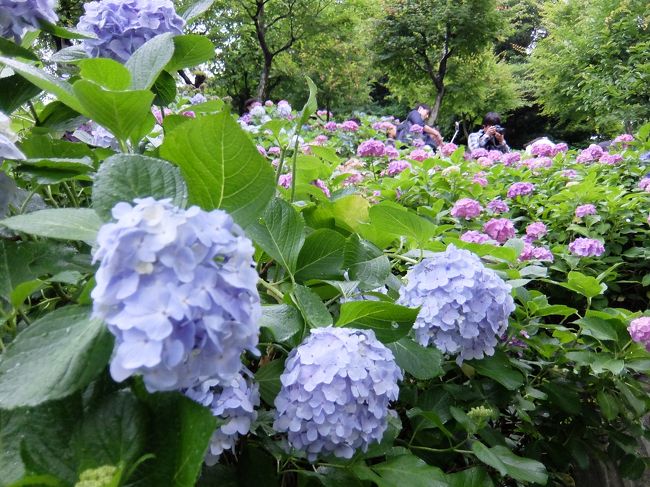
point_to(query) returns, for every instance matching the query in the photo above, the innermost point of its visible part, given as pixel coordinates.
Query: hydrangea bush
(297, 298)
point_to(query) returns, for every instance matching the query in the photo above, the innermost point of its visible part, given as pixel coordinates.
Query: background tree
(421, 38)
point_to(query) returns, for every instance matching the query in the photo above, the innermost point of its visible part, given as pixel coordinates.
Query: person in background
(491, 136)
(418, 116)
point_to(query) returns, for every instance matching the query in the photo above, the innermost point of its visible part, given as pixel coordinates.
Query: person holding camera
(491, 136)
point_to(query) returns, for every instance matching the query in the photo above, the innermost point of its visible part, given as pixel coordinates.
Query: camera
(500, 129)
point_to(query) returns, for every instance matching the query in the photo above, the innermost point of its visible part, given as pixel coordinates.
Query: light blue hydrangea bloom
(121, 26)
(177, 288)
(464, 305)
(234, 403)
(19, 16)
(336, 387)
(8, 139)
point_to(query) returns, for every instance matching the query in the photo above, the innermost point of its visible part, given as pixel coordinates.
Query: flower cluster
(466, 208)
(419, 155)
(536, 230)
(472, 236)
(476, 153)
(498, 206)
(543, 149)
(464, 306)
(531, 252)
(349, 126)
(416, 129)
(511, 158)
(198, 99)
(123, 26)
(590, 154)
(371, 148)
(499, 229)
(584, 210)
(396, 167)
(330, 126)
(391, 152)
(520, 189)
(235, 404)
(640, 331)
(283, 109)
(336, 387)
(587, 247)
(19, 16)
(611, 159)
(480, 179)
(623, 139)
(644, 184)
(448, 149)
(177, 288)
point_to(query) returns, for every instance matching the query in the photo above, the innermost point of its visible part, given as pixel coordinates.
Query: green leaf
(310, 106)
(55, 356)
(507, 463)
(321, 257)
(45, 81)
(107, 73)
(69, 55)
(165, 90)
(268, 378)
(112, 433)
(408, 470)
(422, 363)
(280, 233)
(16, 90)
(124, 177)
(196, 9)
(389, 321)
(588, 286)
(472, 477)
(190, 50)
(555, 309)
(147, 62)
(63, 32)
(50, 170)
(365, 262)
(221, 166)
(124, 113)
(399, 222)
(608, 405)
(282, 320)
(599, 328)
(498, 367)
(564, 397)
(12, 49)
(311, 306)
(59, 223)
(181, 434)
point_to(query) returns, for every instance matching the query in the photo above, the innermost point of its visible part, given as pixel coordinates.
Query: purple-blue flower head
(123, 26)
(19, 16)
(336, 387)
(235, 404)
(177, 288)
(464, 306)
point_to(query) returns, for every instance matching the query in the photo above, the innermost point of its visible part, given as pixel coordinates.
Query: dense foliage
(188, 297)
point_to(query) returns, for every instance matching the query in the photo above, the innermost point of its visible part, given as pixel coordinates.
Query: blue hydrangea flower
(336, 387)
(19, 16)
(122, 26)
(177, 288)
(8, 139)
(233, 403)
(464, 305)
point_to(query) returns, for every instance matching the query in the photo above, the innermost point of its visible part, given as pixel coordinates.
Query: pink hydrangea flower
(510, 158)
(531, 252)
(590, 154)
(321, 184)
(644, 184)
(472, 236)
(611, 159)
(466, 208)
(586, 247)
(584, 210)
(274, 150)
(391, 152)
(538, 163)
(354, 178)
(543, 149)
(371, 148)
(448, 149)
(396, 167)
(416, 129)
(268, 103)
(640, 331)
(561, 147)
(520, 189)
(285, 180)
(536, 230)
(320, 139)
(479, 178)
(476, 153)
(261, 150)
(330, 126)
(419, 155)
(306, 149)
(500, 229)
(417, 143)
(350, 126)
(495, 155)
(623, 140)
(497, 206)
(485, 161)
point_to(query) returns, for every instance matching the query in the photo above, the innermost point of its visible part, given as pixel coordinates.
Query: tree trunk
(436, 106)
(263, 86)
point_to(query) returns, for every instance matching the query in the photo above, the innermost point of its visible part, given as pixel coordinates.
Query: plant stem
(272, 290)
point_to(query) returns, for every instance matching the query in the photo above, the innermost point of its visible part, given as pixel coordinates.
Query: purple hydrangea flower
(584, 210)
(466, 208)
(531, 252)
(644, 184)
(283, 109)
(536, 230)
(561, 147)
(396, 167)
(235, 404)
(476, 153)
(8, 139)
(371, 148)
(495, 155)
(198, 98)
(611, 159)
(323, 187)
(590, 154)
(336, 387)
(261, 150)
(520, 189)
(464, 306)
(448, 149)
(511, 158)
(500, 229)
(569, 173)
(497, 206)
(178, 290)
(285, 180)
(350, 126)
(274, 150)
(19, 16)
(543, 149)
(391, 152)
(321, 139)
(417, 143)
(472, 236)
(123, 26)
(480, 179)
(419, 155)
(330, 126)
(587, 247)
(640, 331)
(623, 139)
(416, 129)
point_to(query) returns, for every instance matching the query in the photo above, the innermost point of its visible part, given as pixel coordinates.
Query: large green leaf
(588, 286)
(280, 233)
(422, 363)
(107, 73)
(282, 320)
(399, 222)
(124, 113)
(472, 477)
(321, 257)
(60, 223)
(407, 470)
(221, 166)
(124, 177)
(55, 356)
(196, 9)
(507, 463)
(12, 49)
(268, 377)
(111, 433)
(190, 50)
(498, 367)
(310, 106)
(14, 91)
(146, 63)
(389, 321)
(312, 307)
(365, 262)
